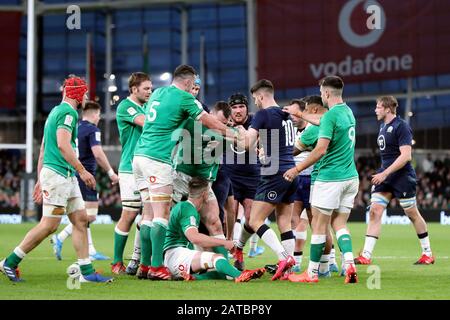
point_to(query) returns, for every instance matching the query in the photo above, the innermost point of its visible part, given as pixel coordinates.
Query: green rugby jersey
(338, 164)
(182, 217)
(309, 138)
(65, 117)
(200, 154)
(129, 132)
(167, 111)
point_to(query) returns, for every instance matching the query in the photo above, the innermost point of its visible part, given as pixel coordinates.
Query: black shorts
(87, 193)
(223, 189)
(276, 189)
(402, 186)
(244, 187)
(303, 191)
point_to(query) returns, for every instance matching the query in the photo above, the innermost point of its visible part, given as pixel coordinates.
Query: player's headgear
(237, 98)
(197, 81)
(75, 88)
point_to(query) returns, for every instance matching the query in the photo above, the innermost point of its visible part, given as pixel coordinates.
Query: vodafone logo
(361, 41)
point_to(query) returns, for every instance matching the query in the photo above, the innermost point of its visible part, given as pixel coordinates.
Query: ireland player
(337, 181)
(57, 186)
(199, 155)
(130, 118)
(222, 185)
(167, 110)
(276, 135)
(395, 179)
(306, 141)
(89, 153)
(182, 233)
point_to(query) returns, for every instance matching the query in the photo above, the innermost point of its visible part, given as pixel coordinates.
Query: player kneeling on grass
(57, 187)
(182, 234)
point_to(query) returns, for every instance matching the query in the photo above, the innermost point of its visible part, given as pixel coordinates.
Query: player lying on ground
(182, 233)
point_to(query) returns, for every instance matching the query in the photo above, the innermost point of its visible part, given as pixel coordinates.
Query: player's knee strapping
(207, 260)
(131, 205)
(75, 204)
(160, 197)
(408, 203)
(379, 199)
(301, 235)
(92, 212)
(49, 210)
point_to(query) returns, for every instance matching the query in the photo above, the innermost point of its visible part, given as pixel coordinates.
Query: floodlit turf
(395, 253)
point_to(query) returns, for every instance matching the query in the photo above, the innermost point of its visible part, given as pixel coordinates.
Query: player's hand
(261, 155)
(37, 193)
(88, 179)
(379, 178)
(291, 174)
(241, 137)
(230, 246)
(114, 179)
(292, 109)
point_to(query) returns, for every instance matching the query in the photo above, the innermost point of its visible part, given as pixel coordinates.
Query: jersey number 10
(289, 132)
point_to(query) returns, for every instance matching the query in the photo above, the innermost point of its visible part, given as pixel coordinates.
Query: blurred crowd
(433, 175)
(12, 165)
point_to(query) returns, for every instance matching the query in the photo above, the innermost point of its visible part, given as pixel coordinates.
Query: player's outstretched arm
(205, 241)
(212, 123)
(313, 118)
(400, 162)
(103, 162)
(63, 138)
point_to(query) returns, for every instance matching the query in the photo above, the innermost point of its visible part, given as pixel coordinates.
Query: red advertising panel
(9, 62)
(301, 41)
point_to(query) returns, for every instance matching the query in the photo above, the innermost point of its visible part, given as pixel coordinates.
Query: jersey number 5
(151, 116)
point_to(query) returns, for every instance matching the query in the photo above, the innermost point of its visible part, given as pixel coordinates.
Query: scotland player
(244, 175)
(395, 179)
(276, 134)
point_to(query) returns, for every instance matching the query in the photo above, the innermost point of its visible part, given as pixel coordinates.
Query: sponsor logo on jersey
(193, 221)
(68, 120)
(98, 136)
(132, 111)
(152, 179)
(389, 130)
(381, 142)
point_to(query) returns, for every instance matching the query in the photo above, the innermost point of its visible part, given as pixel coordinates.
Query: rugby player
(182, 233)
(395, 179)
(130, 118)
(90, 152)
(167, 110)
(337, 180)
(57, 188)
(276, 135)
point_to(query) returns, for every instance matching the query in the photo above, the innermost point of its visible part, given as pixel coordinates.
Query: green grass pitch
(395, 253)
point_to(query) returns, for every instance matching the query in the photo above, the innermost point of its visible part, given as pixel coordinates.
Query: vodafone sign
(301, 41)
